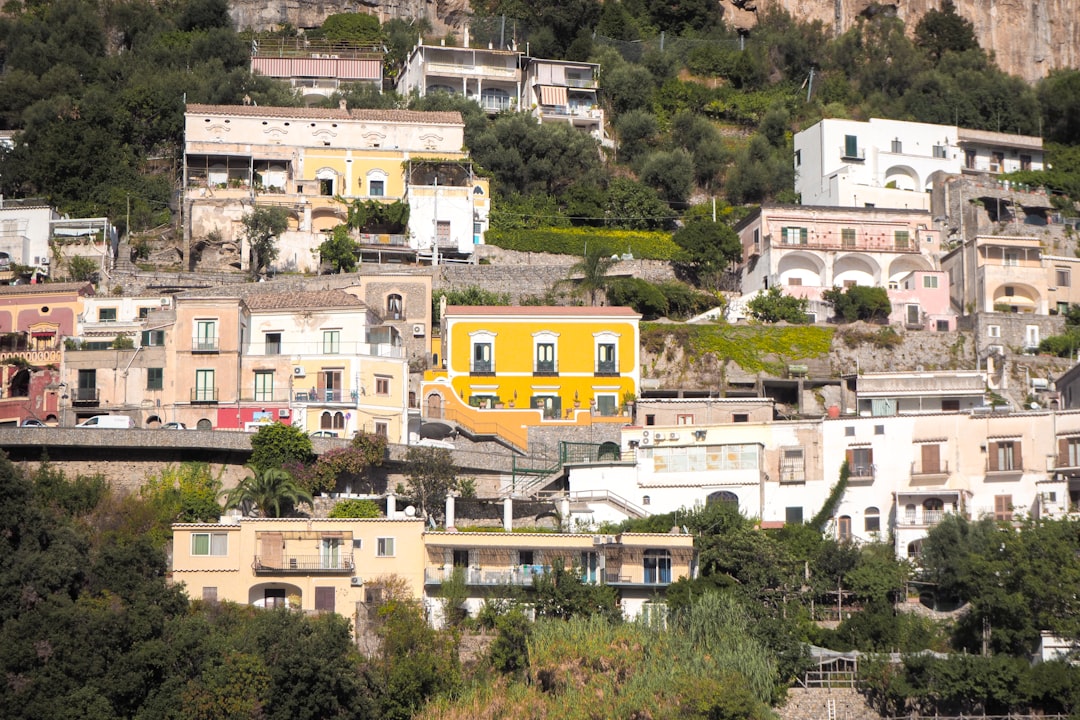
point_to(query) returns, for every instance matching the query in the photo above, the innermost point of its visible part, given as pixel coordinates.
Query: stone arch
(325, 219)
(907, 264)
(862, 269)
(903, 177)
(434, 405)
(259, 597)
(1018, 297)
(803, 267)
(722, 496)
(204, 424)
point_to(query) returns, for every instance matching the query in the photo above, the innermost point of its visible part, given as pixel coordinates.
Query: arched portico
(800, 268)
(857, 268)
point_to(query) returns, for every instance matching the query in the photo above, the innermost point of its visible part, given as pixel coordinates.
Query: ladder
(830, 709)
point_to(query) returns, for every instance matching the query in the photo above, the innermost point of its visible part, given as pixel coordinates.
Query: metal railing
(304, 564)
(941, 469)
(326, 396)
(84, 395)
(204, 395)
(204, 344)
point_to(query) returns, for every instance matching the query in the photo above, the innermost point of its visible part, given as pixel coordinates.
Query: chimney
(508, 515)
(449, 511)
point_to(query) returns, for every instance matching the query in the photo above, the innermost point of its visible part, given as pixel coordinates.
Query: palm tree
(593, 266)
(270, 492)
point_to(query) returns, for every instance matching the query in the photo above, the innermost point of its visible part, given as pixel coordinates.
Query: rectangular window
(331, 342)
(940, 152)
(607, 405)
(851, 146)
(879, 429)
(144, 312)
(272, 343)
(545, 357)
(792, 465)
(155, 378)
(442, 232)
(606, 362)
(204, 390)
(209, 594)
(206, 337)
(914, 314)
(153, 338)
(950, 406)
(740, 418)
(930, 282)
(1025, 162)
(849, 284)
(1003, 508)
(684, 419)
(324, 598)
(330, 386)
(798, 158)
(706, 458)
(794, 235)
(106, 315)
(970, 155)
(1012, 259)
(384, 547)
(793, 516)
(931, 459)
(382, 429)
(901, 239)
(481, 358)
(1069, 452)
(872, 523)
(657, 567)
(847, 237)
(1005, 456)
(382, 385)
(795, 282)
(997, 161)
(993, 331)
(897, 147)
(215, 544)
(376, 188)
(1062, 277)
(1062, 308)
(849, 431)
(942, 326)
(264, 385)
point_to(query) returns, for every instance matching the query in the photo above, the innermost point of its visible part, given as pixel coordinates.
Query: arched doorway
(434, 406)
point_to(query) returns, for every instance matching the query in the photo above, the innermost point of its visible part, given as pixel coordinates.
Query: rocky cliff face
(262, 15)
(1029, 38)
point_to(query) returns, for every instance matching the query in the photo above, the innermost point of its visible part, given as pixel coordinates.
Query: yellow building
(310, 563)
(508, 368)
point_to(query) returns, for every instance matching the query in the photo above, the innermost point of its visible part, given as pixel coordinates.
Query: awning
(552, 95)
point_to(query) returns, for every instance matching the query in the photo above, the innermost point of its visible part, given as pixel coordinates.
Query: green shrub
(572, 241)
(356, 509)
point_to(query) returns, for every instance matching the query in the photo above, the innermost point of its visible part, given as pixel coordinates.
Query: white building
(894, 164)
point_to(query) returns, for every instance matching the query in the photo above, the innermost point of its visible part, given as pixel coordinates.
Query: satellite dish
(410, 511)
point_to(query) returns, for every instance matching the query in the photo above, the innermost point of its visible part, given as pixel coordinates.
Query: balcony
(84, 396)
(519, 575)
(304, 564)
(204, 396)
(204, 345)
(862, 473)
(925, 519)
(927, 474)
(607, 369)
(853, 154)
(319, 397)
(652, 578)
(481, 368)
(792, 475)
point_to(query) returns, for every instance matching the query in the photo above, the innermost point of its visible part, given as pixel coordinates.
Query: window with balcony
(847, 237)
(155, 378)
(384, 547)
(657, 567)
(482, 357)
(205, 390)
(206, 336)
(1011, 259)
(930, 459)
(382, 385)
(997, 161)
(933, 511)
(1003, 508)
(210, 544)
(606, 358)
(545, 358)
(851, 146)
(264, 385)
(901, 239)
(1069, 452)
(860, 462)
(86, 391)
(272, 343)
(106, 314)
(330, 386)
(872, 520)
(1005, 456)
(331, 342)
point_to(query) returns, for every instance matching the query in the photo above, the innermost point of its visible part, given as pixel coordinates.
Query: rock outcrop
(1029, 38)
(444, 15)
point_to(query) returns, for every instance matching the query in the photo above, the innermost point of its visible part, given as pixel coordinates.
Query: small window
(357, 543)
(382, 385)
(106, 314)
(272, 343)
(993, 331)
(155, 378)
(209, 594)
(394, 306)
(215, 544)
(941, 326)
(684, 419)
(144, 312)
(740, 418)
(1062, 277)
(376, 188)
(930, 282)
(1003, 508)
(526, 557)
(901, 239)
(793, 516)
(1010, 291)
(849, 431)
(1012, 258)
(331, 342)
(153, 338)
(879, 429)
(897, 146)
(382, 429)
(847, 237)
(650, 419)
(798, 158)
(872, 520)
(384, 547)
(940, 152)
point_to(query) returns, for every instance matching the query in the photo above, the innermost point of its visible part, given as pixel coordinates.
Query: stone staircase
(813, 704)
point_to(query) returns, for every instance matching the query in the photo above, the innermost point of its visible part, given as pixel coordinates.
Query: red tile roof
(296, 300)
(47, 288)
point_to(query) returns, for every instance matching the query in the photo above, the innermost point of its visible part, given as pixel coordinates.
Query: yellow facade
(313, 564)
(507, 368)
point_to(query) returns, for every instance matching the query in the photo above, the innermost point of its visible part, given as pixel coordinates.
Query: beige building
(309, 563)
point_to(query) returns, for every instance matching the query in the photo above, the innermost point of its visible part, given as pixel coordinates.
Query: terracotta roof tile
(310, 113)
(296, 300)
(45, 288)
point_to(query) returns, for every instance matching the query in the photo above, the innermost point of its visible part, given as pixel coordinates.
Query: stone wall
(813, 703)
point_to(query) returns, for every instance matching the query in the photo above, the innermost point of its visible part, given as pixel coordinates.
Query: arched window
(339, 421)
(722, 496)
(933, 509)
(326, 421)
(394, 306)
(843, 528)
(204, 424)
(872, 520)
(376, 183)
(909, 514)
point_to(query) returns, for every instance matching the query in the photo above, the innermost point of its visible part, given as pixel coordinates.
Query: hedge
(572, 241)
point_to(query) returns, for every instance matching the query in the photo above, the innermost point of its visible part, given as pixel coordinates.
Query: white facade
(892, 163)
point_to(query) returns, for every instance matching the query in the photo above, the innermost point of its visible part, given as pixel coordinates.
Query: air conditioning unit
(356, 581)
(418, 330)
(597, 539)
(283, 412)
(673, 436)
(645, 440)
(165, 302)
(298, 372)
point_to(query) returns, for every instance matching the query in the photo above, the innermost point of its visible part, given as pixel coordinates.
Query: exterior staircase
(826, 704)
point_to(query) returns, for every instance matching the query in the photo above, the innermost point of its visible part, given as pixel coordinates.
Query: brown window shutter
(870, 458)
(850, 456)
(931, 458)
(324, 598)
(993, 459)
(1063, 452)
(1018, 456)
